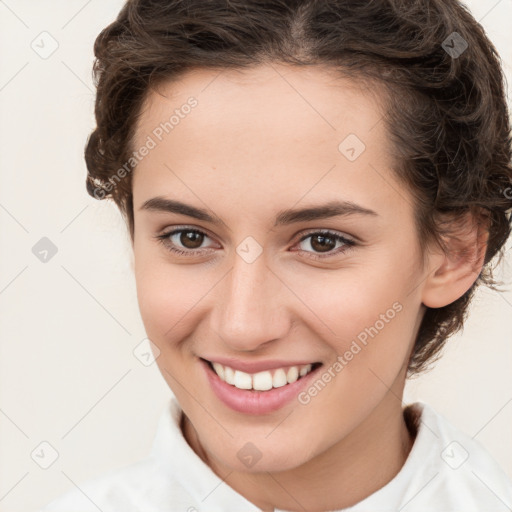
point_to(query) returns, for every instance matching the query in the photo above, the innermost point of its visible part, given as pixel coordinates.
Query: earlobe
(452, 274)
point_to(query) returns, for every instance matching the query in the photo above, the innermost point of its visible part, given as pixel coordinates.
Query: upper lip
(256, 366)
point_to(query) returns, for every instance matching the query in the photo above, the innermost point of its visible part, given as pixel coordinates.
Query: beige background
(68, 375)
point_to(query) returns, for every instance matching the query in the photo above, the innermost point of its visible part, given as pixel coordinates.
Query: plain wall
(68, 375)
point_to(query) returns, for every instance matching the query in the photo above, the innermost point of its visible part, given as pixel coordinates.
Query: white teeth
(279, 378)
(261, 381)
(229, 375)
(292, 375)
(242, 380)
(304, 370)
(219, 369)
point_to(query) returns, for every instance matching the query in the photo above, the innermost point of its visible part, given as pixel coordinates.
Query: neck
(345, 474)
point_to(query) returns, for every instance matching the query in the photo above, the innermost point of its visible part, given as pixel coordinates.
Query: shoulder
(148, 484)
(116, 489)
(455, 471)
(145, 484)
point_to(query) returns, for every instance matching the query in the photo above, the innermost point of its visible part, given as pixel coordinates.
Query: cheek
(349, 300)
(370, 324)
(166, 293)
(173, 299)
(365, 315)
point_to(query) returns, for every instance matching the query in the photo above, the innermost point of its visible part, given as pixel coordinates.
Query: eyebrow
(284, 217)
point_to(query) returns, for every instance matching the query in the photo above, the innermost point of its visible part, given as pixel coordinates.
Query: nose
(250, 309)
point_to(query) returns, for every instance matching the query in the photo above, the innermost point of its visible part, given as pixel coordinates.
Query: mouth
(258, 393)
(263, 380)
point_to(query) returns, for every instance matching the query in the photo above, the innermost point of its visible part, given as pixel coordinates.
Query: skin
(258, 142)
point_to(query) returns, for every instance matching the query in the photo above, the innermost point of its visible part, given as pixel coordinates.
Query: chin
(254, 458)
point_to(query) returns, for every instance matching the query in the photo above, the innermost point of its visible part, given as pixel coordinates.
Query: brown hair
(445, 112)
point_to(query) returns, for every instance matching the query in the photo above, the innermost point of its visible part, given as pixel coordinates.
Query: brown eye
(191, 239)
(322, 243)
(182, 241)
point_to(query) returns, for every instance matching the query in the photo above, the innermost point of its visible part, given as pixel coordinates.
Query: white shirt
(446, 471)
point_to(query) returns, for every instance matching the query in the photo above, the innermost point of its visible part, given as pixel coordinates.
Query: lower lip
(255, 402)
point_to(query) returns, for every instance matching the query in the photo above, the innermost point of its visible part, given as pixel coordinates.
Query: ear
(452, 273)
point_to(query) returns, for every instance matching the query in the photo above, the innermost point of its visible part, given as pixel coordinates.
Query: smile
(261, 381)
(260, 392)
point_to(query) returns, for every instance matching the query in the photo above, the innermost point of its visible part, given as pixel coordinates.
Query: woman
(314, 190)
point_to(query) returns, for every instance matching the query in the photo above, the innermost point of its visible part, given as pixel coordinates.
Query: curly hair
(441, 77)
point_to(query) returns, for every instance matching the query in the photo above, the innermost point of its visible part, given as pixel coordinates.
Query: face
(272, 238)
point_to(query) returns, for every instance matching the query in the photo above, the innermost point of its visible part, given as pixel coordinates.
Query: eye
(189, 241)
(325, 244)
(185, 241)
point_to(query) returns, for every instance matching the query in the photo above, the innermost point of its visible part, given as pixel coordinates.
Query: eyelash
(348, 244)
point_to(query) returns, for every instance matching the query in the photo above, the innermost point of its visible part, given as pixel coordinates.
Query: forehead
(271, 97)
(268, 131)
